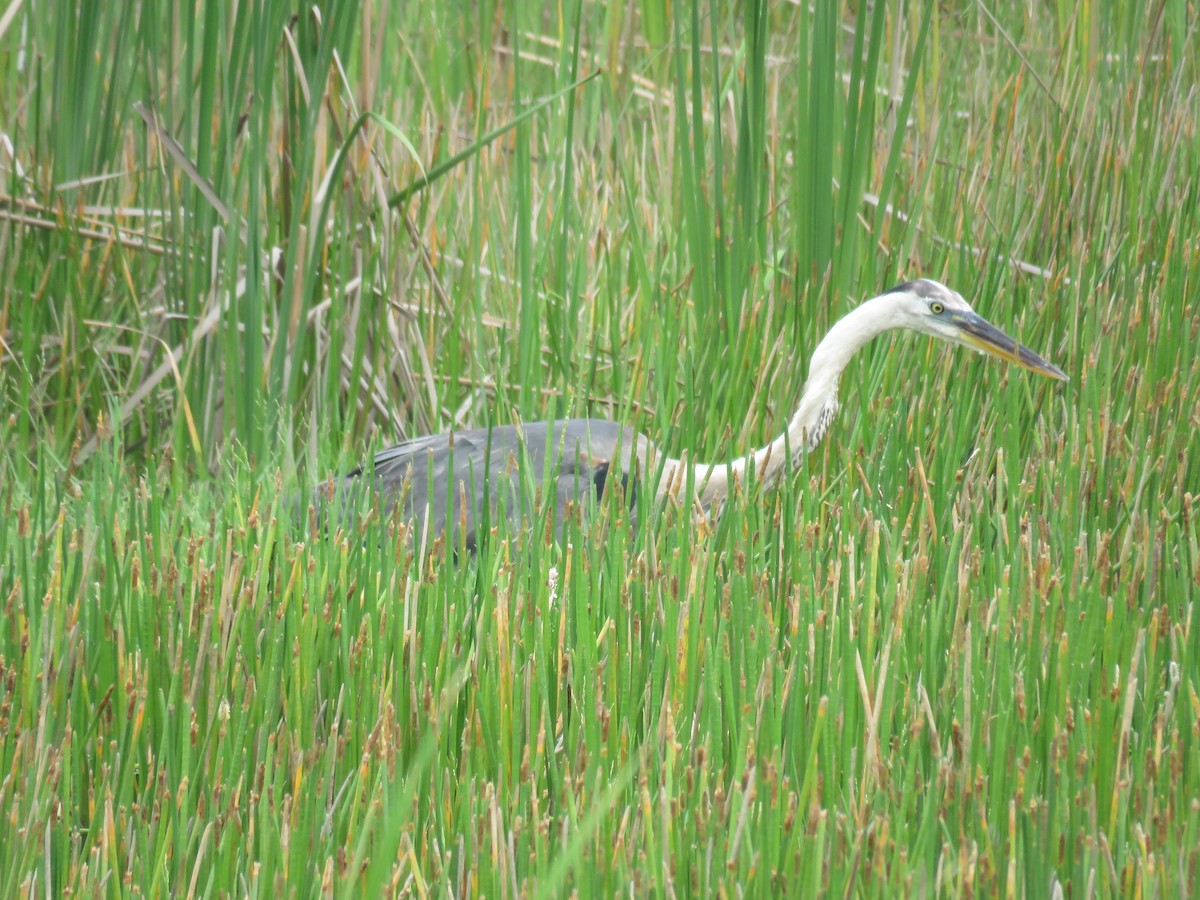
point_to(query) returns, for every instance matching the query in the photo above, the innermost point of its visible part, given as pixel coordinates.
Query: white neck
(818, 406)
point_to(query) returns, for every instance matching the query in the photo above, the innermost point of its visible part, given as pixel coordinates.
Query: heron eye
(936, 308)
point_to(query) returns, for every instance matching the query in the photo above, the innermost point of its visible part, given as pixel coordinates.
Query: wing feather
(465, 481)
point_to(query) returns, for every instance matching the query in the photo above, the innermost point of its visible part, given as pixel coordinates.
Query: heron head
(934, 309)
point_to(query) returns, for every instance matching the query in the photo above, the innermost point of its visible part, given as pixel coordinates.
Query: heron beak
(977, 332)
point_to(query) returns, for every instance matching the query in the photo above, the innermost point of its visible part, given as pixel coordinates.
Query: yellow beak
(977, 332)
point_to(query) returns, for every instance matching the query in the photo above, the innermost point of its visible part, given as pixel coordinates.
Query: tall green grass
(955, 652)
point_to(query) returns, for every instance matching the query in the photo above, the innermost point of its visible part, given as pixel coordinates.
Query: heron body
(451, 483)
(448, 483)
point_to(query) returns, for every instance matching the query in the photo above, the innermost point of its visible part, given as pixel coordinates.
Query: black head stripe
(905, 287)
(923, 287)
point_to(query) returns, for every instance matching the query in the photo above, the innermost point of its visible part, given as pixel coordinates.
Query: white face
(934, 309)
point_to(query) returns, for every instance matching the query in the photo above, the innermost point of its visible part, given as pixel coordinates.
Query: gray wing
(461, 483)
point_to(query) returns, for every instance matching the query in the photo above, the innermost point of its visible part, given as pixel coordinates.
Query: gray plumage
(456, 483)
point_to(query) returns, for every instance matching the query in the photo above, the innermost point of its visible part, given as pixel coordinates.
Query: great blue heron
(444, 482)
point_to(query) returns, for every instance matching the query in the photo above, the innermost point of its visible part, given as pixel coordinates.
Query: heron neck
(818, 405)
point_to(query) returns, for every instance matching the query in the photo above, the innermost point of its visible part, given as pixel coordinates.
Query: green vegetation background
(957, 651)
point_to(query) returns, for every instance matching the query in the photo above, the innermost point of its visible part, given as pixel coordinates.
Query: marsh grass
(955, 652)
